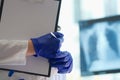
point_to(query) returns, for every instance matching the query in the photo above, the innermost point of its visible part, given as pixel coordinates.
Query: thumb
(58, 34)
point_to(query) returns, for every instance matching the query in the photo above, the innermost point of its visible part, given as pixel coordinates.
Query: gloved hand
(10, 73)
(62, 61)
(47, 45)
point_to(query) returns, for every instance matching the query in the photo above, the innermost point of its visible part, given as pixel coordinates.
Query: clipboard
(25, 19)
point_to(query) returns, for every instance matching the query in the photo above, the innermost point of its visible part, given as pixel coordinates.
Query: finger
(61, 64)
(66, 69)
(61, 59)
(61, 39)
(58, 34)
(62, 54)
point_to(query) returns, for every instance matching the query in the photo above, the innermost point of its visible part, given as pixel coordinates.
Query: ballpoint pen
(53, 35)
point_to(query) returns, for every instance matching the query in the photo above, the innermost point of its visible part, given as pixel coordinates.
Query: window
(70, 30)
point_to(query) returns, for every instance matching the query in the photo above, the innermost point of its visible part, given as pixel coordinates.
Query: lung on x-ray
(100, 46)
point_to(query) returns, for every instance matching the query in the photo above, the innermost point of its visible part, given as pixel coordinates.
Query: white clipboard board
(25, 19)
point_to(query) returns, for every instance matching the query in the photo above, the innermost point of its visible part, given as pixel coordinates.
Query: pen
(53, 35)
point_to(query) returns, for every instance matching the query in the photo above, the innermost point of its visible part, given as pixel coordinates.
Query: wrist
(30, 50)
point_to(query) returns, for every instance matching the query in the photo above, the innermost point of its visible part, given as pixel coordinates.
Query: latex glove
(62, 61)
(10, 73)
(47, 45)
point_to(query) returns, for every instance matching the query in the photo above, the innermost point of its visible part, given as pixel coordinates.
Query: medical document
(25, 19)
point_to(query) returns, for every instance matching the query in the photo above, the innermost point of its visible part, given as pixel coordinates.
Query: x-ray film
(100, 45)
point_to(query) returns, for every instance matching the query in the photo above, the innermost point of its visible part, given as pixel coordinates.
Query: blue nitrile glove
(62, 61)
(47, 44)
(10, 73)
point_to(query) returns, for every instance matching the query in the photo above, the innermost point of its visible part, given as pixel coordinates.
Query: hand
(10, 73)
(62, 61)
(47, 45)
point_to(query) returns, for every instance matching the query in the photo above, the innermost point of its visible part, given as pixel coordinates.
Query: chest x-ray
(100, 45)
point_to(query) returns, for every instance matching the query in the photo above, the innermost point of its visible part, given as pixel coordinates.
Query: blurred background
(71, 14)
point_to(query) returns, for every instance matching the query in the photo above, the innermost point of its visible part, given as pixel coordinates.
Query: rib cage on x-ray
(101, 43)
